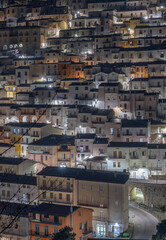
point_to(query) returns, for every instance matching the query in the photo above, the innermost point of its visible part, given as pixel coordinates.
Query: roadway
(144, 223)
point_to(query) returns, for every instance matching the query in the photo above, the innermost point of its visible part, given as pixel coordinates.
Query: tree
(64, 234)
(161, 231)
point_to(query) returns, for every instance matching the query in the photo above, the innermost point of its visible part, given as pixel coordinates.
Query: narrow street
(144, 223)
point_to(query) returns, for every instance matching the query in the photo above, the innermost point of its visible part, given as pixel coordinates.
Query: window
(44, 195)
(55, 229)
(44, 183)
(80, 226)
(3, 192)
(85, 226)
(115, 154)
(143, 153)
(80, 213)
(114, 164)
(46, 230)
(101, 230)
(162, 54)
(101, 188)
(8, 193)
(37, 216)
(68, 197)
(51, 195)
(60, 196)
(111, 131)
(83, 186)
(116, 189)
(37, 229)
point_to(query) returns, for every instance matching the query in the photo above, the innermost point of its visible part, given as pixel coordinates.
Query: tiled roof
(11, 160)
(128, 144)
(17, 179)
(86, 136)
(99, 140)
(55, 140)
(54, 209)
(87, 175)
(134, 123)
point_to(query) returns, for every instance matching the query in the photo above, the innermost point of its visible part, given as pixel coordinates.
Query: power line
(28, 128)
(17, 215)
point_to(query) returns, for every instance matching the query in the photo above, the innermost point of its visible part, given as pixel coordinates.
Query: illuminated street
(144, 223)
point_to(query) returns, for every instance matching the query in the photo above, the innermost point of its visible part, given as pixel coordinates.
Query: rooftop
(54, 209)
(17, 179)
(55, 140)
(128, 144)
(86, 175)
(11, 160)
(134, 123)
(11, 209)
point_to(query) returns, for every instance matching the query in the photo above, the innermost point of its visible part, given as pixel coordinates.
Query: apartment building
(12, 165)
(26, 39)
(18, 229)
(18, 188)
(53, 150)
(104, 192)
(47, 219)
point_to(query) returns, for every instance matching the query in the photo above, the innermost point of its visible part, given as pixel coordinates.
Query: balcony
(56, 189)
(83, 151)
(134, 157)
(141, 134)
(34, 135)
(87, 231)
(83, 120)
(127, 134)
(72, 116)
(155, 168)
(93, 122)
(46, 152)
(152, 157)
(40, 234)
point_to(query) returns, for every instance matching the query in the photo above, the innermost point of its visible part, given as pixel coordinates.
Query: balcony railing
(88, 230)
(134, 157)
(141, 134)
(127, 134)
(58, 189)
(41, 234)
(83, 120)
(83, 151)
(152, 157)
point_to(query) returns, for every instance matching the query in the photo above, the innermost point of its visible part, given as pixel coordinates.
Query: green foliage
(161, 231)
(64, 234)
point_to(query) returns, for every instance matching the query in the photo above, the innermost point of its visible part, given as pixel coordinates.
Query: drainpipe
(71, 219)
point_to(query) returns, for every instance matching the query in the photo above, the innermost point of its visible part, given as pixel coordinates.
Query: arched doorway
(136, 195)
(14, 119)
(25, 119)
(34, 119)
